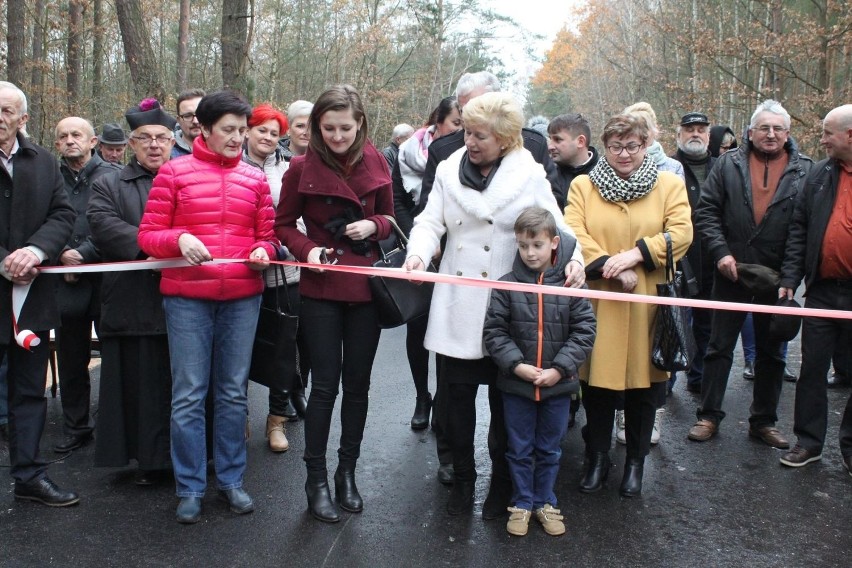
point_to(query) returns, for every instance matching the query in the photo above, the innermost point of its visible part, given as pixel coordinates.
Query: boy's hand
(547, 378)
(527, 372)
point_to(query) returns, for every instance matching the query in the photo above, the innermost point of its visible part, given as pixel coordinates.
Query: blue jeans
(210, 344)
(534, 430)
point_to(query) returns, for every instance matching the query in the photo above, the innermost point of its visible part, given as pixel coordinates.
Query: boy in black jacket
(539, 341)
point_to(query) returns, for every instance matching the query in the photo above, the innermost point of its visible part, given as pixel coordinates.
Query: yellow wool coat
(621, 358)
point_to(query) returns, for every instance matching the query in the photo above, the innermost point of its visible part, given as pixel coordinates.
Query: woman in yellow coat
(620, 212)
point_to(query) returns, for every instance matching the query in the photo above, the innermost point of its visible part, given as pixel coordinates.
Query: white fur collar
(514, 175)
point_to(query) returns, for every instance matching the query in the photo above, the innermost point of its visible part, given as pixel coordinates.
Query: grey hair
(402, 130)
(773, 106)
(470, 82)
(18, 91)
(299, 108)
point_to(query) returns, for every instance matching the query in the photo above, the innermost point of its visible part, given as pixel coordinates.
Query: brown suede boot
(276, 433)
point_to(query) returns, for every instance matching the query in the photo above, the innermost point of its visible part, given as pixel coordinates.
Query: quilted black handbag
(274, 357)
(674, 345)
(398, 301)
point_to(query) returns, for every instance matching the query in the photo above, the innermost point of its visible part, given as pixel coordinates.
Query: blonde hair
(502, 114)
(644, 111)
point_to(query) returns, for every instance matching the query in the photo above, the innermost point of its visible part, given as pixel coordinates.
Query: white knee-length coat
(480, 243)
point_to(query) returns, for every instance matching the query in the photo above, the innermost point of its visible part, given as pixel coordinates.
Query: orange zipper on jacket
(540, 333)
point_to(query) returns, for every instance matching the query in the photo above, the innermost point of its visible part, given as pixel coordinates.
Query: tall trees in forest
(718, 56)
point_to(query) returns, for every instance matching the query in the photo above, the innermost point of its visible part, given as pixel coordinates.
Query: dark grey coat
(131, 304)
(512, 328)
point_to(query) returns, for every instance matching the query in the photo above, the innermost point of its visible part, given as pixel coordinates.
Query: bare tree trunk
(36, 125)
(234, 44)
(183, 45)
(16, 39)
(73, 63)
(138, 51)
(97, 48)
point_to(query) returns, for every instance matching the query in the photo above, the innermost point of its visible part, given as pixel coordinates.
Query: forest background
(96, 58)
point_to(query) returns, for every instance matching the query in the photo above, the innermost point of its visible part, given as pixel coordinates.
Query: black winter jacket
(725, 215)
(517, 323)
(131, 304)
(813, 210)
(566, 174)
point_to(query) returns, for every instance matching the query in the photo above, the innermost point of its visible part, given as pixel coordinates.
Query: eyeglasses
(187, 115)
(766, 129)
(632, 148)
(146, 139)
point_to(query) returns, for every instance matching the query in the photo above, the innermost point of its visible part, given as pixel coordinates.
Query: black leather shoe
(596, 473)
(837, 381)
(789, 376)
(420, 420)
(290, 412)
(346, 491)
(299, 402)
(146, 478)
(71, 442)
(631, 483)
(320, 504)
(748, 371)
(46, 492)
(238, 500)
(446, 474)
(498, 500)
(461, 497)
(188, 510)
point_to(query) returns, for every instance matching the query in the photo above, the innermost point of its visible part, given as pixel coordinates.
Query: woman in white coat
(478, 193)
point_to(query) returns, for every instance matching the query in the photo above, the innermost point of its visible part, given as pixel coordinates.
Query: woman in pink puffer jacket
(203, 206)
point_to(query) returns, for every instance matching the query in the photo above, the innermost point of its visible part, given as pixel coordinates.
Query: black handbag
(274, 356)
(674, 345)
(398, 301)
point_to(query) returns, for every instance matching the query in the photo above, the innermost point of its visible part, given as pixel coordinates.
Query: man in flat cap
(693, 139)
(112, 143)
(744, 215)
(135, 395)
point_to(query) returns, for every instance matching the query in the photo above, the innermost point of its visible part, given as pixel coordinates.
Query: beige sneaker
(519, 521)
(551, 520)
(276, 433)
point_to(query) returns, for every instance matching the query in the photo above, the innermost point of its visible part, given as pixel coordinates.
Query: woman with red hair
(261, 150)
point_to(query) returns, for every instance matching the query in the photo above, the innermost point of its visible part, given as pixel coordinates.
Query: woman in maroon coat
(342, 190)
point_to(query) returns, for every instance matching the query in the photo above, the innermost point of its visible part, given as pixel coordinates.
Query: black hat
(785, 327)
(758, 279)
(694, 118)
(112, 133)
(147, 113)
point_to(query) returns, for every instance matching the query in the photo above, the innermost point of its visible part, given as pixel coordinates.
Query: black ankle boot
(498, 499)
(346, 491)
(631, 483)
(420, 420)
(596, 473)
(461, 497)
(299, 402)
(319, 501)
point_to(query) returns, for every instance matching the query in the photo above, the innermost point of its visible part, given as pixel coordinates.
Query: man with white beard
(693, 139)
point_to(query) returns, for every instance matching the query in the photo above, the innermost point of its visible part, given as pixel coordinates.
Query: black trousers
(418, 355)
(821, 338)
(768, 367)
(640, 405)
(342, 339)
(74, 353)
(440, 415)
(278, 398)
(27, 407)
(461, 391)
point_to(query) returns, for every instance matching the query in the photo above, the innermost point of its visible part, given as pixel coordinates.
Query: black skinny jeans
(278, 399)
(418, 355)
(342, 339)
(640, 406)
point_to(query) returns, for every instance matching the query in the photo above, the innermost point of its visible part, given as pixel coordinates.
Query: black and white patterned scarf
(615, 188)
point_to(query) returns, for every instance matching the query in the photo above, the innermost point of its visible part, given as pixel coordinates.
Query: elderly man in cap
(135, 389)
(693, 140)
(111, 143)
(743, 215)
(34, 228)
(820, 250)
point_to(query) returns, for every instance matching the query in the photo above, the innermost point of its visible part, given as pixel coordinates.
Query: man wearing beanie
(135, 395)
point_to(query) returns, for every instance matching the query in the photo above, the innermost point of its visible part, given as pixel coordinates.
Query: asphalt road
(726, 502)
